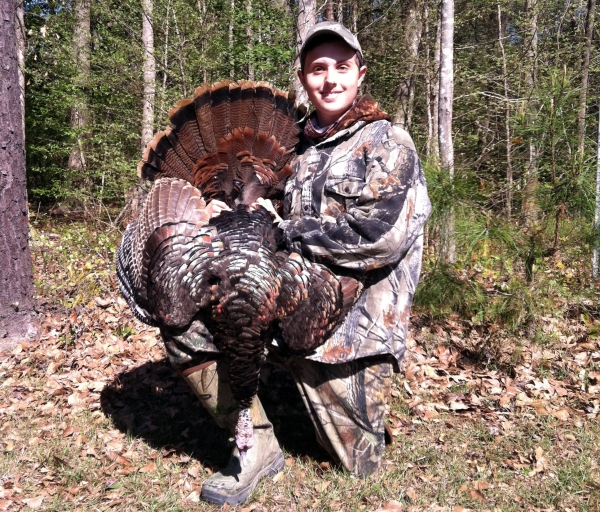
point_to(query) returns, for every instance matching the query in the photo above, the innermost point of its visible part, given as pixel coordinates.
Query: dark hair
(322, 39)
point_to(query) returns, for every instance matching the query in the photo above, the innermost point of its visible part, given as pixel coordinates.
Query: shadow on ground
(153, 402)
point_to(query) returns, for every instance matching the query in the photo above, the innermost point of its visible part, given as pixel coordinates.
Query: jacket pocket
(349, 189)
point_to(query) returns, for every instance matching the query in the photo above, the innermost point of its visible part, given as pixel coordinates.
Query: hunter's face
(331, 78)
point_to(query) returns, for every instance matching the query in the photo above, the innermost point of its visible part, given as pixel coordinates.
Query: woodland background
(497, 404)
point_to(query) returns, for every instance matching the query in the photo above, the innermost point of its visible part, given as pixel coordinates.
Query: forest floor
(93, 417)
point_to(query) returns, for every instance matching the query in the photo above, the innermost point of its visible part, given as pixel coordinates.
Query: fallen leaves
(34, 503)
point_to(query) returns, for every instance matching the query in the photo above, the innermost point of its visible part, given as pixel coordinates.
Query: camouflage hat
(335, 30)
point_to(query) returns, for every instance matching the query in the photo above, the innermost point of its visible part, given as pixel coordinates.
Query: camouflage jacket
(358, 202)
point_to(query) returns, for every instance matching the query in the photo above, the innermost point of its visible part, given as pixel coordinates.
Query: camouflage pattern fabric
(347, 405)
(358, 202)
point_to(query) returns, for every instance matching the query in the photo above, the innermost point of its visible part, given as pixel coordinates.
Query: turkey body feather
(232, 142)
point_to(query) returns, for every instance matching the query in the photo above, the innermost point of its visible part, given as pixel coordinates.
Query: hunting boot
(235, 483)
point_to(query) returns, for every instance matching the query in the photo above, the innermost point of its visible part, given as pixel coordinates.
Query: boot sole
(235, 499)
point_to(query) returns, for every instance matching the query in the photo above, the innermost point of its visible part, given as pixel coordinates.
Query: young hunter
(356, 201)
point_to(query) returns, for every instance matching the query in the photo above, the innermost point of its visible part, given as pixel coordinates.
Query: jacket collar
(364, 110)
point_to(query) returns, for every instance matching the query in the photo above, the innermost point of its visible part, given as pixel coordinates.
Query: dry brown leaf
(477, 495)
(321, 486)
(4, 504)
(561, 414)
(148, 468)
(34, 503)
(193, 471)
(458, 406)
(193, 497)
(391, 506)
(278, 477)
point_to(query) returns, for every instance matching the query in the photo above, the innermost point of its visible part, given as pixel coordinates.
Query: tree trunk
(509, 172)
(16, 276)
(355, 16)
(81, 50)
(165, 62)
(329, 10)
(585, 71)
(597, 212)
(307, 17)
(530, 208)
(413, 28)
(230, 37)
(434, 75)
(446, 98)
(250, 37)
(180, 53)
(21, 46)
(149, 74)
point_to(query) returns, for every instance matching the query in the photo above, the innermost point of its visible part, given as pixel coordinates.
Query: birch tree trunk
(81, 50)
(250, 36)
(180, 52)
(231, 56)
(16, 276)
(530, 208)
(509, 172)
(165, 61)
(21, 45)
(434, 79)
(149, 74)
(446, 98)
(413, 28)
(597, 212)
(307, 17)
(585, 71)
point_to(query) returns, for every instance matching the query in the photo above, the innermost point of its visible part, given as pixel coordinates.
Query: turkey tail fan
(169, 222)
(229, 136)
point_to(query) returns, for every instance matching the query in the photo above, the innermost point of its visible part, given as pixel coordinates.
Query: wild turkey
(232, 142)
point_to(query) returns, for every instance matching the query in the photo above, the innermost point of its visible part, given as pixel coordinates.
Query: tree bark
(250, 36)
(181, 54)
(307, 17)
(149, 74)
(413, 28)
(329, 10)
(434, 78)
(446, 98)
(230, 40)
(585, 71)
(509, 171)
(81, 50)
(165, 61)
(597, 210)
(530, 208)
(17, 321)
(21, 46)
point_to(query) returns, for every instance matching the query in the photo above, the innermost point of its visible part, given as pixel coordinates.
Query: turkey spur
(232, 142)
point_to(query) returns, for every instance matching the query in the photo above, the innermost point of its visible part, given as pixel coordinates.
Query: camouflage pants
(346, 402)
